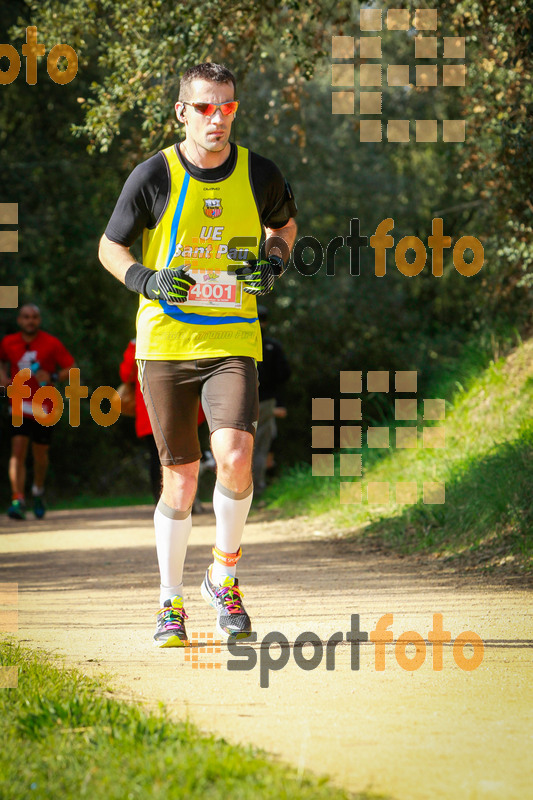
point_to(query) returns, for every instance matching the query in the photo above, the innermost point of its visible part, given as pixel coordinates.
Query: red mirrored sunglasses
(208, 109)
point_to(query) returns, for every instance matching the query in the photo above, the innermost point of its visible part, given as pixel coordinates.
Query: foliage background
(66, 150)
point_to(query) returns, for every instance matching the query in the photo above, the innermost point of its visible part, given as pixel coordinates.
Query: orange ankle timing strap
(228, 559)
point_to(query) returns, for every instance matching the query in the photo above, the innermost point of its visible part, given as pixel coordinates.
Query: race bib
(214, 289)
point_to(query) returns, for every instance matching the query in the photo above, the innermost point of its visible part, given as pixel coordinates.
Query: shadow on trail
(275, 568)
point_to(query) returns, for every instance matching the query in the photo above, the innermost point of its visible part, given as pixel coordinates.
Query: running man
(197, 204)
(49, 362)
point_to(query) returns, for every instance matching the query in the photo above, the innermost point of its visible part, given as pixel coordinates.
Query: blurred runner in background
(128, 374)
(49, 362)
(274, 371)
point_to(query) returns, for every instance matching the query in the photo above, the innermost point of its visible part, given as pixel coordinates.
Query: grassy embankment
(486, 465)
(64, 737)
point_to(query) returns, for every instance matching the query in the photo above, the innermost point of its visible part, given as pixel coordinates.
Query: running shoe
(17, 510)
(39, 508)
(170, 627)
(232, 619)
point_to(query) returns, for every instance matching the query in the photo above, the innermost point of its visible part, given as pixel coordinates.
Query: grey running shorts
(172, 391)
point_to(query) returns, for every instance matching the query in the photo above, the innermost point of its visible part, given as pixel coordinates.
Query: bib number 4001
(210, 291)
(214, 289)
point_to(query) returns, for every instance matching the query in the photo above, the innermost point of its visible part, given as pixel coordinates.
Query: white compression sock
(231, 510)
(172, 529)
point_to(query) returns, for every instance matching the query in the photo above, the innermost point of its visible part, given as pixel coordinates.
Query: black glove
(259, 276)
(171, 285)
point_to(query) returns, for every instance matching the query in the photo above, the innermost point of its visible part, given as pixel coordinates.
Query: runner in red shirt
(143, 428)
(49, 361)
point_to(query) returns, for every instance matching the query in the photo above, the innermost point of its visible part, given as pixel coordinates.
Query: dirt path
(88, 589)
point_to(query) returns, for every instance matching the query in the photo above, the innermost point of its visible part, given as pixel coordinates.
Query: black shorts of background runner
(228, 389)
(39, 434)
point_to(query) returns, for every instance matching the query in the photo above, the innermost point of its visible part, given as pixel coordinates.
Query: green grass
(63, 737)
(487, 468)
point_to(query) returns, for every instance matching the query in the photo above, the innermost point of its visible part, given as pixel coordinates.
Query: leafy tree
(120, 110)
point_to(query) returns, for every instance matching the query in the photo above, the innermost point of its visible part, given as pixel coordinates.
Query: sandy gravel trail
(88, 590)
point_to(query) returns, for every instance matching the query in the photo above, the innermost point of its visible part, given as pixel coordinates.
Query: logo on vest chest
(212, 207)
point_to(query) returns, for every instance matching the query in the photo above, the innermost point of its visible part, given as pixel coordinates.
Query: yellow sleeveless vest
(219, 319)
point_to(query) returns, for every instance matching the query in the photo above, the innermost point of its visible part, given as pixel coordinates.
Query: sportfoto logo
(274, 651)
(18, 391)
(348, 437)
(31, 50)
(417, 24)
(380, 242)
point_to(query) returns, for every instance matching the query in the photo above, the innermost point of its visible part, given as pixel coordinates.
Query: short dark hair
(208, 71)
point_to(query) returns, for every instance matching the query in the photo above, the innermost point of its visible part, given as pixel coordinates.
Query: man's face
(211, 133)
(29, 320)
